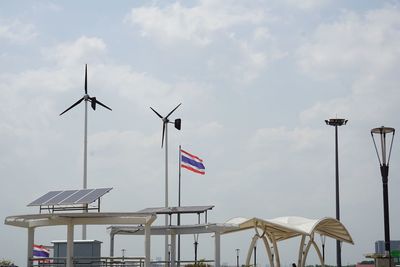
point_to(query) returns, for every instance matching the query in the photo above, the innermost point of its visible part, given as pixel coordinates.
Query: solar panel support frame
(78, 207)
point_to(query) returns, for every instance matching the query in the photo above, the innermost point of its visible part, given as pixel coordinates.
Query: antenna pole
(166, 189)
(85, 162)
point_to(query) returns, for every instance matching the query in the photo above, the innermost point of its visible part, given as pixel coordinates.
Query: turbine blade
(85, 79)
(76, 103)
(163, 133)
(101, 104)
(156, 113)
(173, 110)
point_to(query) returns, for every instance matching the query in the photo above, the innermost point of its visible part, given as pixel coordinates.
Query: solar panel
(69, 197)
(75, 197)
(44, 198)
(60, 197)
(92, 196)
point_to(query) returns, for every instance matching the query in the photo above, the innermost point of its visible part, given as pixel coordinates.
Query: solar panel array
(70, 197)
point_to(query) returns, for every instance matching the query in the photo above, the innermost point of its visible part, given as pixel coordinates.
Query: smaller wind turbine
(93, 102)
(177, 124)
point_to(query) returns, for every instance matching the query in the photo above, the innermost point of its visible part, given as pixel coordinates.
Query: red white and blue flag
(192, 162)
(40, 251)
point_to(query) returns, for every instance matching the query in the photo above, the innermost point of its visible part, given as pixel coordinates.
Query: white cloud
(356, 43)
(363, 50)
(307, 4)
(83, 50)
(17, 32)
(196, 24)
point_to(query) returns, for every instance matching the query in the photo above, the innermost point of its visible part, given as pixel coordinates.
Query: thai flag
(40, 251)
(192, 162)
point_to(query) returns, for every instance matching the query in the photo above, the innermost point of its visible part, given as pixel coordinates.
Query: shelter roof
(287, 227)
(176, 229)
(176, 210)
(100, 218)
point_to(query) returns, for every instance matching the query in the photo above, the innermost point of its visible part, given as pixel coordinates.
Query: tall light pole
(384, 158)
(237, 257)
(337, 122)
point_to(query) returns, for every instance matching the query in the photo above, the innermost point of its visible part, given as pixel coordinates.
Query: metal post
(337, 122)
(338, 247)
(166, 191)
(123, 254)
(195, 251)
(85, 161)
(179, 204)
(385, 173)
(237, 257)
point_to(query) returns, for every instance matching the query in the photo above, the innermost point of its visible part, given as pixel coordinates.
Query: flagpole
(179, 204)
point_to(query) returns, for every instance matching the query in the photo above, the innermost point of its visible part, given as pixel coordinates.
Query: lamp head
(336, 122)
(383, 133)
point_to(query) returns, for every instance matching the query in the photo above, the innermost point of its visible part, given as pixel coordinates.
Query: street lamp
(336, 123)
(384, 159)
(237, 257)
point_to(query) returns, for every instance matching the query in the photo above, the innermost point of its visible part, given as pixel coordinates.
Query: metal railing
(111, 262)
(90, 262)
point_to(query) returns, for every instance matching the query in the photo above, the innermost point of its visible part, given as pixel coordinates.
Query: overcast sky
(256, 80)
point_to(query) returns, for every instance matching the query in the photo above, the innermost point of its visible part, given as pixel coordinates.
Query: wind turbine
(93, 102)
(177, 124)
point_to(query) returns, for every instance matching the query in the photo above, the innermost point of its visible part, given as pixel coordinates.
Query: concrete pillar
(70, 245)
(31, 241)
(147, 245)
(173, 250)
(112, 244)
(217, 249)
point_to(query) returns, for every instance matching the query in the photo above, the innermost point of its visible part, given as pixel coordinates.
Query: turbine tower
(177, 124)
(93, 102)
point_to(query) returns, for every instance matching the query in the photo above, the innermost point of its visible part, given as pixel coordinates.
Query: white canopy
(272, 231)
(287, 227)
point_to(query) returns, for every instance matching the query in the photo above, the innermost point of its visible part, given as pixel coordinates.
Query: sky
(256, 80)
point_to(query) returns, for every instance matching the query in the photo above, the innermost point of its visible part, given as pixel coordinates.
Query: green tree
(4, 262)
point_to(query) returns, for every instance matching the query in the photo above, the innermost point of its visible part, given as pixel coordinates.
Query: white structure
(173, 231)
(31, 222)
(274, 230)
(140, 223)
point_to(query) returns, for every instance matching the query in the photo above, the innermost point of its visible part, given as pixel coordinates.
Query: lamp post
(384, 158)
(237, 257)
(336, 123)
